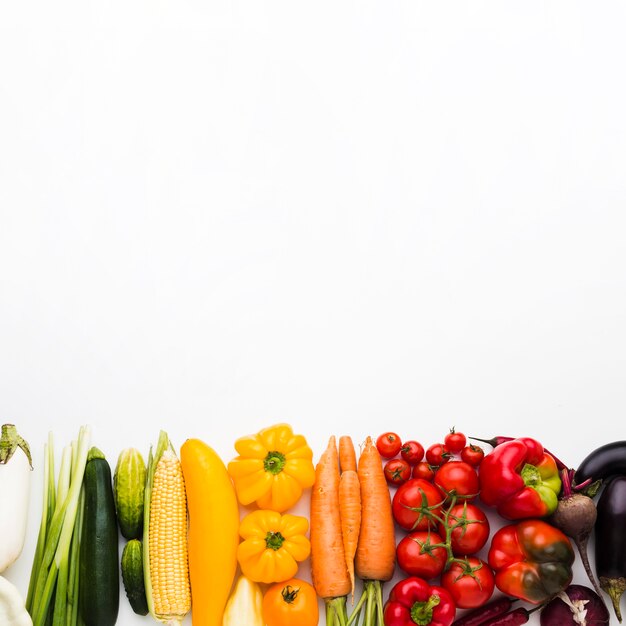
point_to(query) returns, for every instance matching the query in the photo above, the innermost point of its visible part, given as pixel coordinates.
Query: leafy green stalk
(48, 471)
(60, 595)
(52, 494)
(372, 601)
(58, 543)
(73, 584)
(336, 613)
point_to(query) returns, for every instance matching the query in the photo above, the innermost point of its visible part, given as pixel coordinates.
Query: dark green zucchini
(132, 575)
(99, 572)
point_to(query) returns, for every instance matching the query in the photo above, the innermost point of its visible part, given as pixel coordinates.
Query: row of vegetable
(180, 514)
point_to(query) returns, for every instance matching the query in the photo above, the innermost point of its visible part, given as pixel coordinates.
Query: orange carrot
(350, 510)
(328, 561)
(347, 456)
(376, 550)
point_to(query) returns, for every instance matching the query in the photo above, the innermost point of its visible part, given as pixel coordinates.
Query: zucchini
(99, 574)
(132, 575)
(129, 483)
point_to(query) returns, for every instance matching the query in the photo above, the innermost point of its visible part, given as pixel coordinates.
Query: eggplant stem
(614, 587)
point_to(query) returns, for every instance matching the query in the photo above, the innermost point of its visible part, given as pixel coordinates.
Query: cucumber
(99, 573)
(132, 575)
(129, 483)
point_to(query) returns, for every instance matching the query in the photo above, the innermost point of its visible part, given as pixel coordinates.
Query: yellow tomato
(292, 603)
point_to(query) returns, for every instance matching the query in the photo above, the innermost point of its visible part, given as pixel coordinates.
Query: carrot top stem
(372, 600)
(336, 612)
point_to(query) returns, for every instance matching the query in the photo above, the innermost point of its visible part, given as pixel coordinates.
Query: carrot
(347, 456)
(350, 511)
(376, 550)
(328, 561)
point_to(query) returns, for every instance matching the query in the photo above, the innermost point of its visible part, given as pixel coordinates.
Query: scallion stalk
(55, 562)
(48, 472)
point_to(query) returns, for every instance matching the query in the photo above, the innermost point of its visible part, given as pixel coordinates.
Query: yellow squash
(272, 469)
(213, 531)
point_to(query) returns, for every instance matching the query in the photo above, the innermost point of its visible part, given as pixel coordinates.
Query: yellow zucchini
(213, 531)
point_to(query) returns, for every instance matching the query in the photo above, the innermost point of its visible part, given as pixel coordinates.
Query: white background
(349, 216)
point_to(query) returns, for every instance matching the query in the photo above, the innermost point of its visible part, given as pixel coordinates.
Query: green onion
(55, 568)
(73, 585)
(46, 517)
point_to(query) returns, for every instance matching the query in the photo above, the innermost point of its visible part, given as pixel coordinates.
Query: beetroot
(576, 606)
(576, 515)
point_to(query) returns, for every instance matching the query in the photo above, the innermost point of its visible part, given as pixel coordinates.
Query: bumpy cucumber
(130, 482)
(132, 575)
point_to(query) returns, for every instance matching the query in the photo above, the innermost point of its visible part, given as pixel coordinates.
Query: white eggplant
(12, 611)
(15, 469)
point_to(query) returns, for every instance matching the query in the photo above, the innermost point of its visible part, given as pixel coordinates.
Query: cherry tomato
(408, 503)
(291, 602)
(473, 455)
(397, 471)
(412, 452)
(388, 445)
(469, 589)
(459, 479)
(472, 529)
(455, 442)
(424, 471)
(418, 558)
(437, 454)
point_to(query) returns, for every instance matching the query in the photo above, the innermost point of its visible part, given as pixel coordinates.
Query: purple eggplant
(610, 531)
(604, 462)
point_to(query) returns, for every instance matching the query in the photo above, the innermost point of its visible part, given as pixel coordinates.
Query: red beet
(576, 515)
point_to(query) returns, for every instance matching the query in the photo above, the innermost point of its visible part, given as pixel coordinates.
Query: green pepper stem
(274, 541)
(422, 612)
(274, 462)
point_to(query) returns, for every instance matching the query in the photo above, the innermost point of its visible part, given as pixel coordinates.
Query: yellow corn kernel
(169, 568)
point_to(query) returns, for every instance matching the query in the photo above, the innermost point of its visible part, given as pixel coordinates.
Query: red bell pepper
(520, 479)
(532, 560)
(413, 601)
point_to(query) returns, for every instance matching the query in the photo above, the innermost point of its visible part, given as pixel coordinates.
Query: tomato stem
(289, 594)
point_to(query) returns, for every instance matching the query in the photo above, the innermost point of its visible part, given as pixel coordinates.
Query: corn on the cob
(166, 569)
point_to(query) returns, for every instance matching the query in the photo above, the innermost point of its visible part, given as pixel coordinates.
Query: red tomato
(473, 455)
(413, 504)
(459, 479)
(455, 442)
(472, 529)
(424, 471)
(418, 558)
(397, 471)
(470, 586)
(388, 445)
(437, 455)
(412, 452)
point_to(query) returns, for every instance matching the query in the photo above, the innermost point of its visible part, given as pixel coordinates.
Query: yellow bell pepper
(272, 546)
(273, 468)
